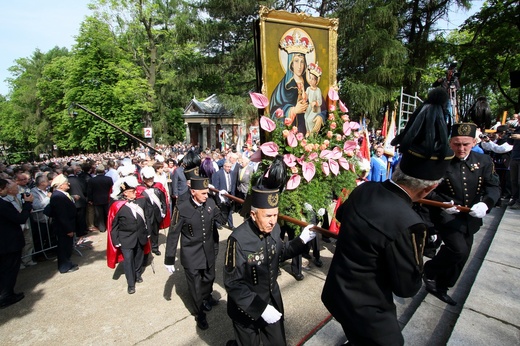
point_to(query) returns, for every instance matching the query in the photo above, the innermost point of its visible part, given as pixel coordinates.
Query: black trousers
(81, 221)
(65, 245)
(355, 339)
(154, 234)
(296, 262)
(100, 216)
(271, 334)
(133, 263)
(9, 268)
(448, 263)
(200, 283)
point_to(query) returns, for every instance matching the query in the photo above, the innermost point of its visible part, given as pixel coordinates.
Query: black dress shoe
(131, 290)
(71, 270)
(10, 300)
(157, 252)
(442, 295)
(139, 280)
(202, 323)
(298, 277)
(430, 284)
(318, 263)
(206, 306)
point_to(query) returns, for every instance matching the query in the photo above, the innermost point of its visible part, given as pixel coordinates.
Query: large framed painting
(298, 62)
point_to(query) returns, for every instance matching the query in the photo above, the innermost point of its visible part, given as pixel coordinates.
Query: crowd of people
(192, 192)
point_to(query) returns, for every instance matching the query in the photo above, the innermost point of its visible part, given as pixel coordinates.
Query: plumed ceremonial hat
(424, 141)
(192, 173)
(264, 198)
(199, 183)
(128, 183)
(464, 129)
(147, 172)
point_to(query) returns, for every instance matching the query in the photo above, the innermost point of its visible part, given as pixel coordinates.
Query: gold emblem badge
(205, 183)
(272, 199)
(464, 130)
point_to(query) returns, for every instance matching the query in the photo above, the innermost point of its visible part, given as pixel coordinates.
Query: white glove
(211, 186)
(271, 315)
(479, 210)
(170, 268)
(452, 210)
(321, 212)
(307, 206)
(221, 194)
(307, 235)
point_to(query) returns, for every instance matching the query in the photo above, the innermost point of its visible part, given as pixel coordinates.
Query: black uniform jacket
(376, 255)
(251, 270)
(466, 183)
(11, 235)
(195, 225)
(128, 229)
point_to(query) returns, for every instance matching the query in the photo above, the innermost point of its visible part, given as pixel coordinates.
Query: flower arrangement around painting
(321, 165)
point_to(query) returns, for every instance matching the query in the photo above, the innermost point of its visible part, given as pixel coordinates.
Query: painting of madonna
(295, 48)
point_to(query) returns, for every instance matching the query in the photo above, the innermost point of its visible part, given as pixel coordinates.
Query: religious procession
(310, 222)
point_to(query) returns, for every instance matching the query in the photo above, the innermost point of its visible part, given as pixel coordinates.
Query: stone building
(209, 124)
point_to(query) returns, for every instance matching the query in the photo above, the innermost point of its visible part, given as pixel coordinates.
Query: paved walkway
(91, 306)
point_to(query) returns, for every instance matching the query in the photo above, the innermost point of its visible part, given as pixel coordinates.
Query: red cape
(165, 223)
(114, 254)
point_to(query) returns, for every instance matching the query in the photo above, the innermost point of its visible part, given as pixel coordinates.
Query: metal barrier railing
(46, 240)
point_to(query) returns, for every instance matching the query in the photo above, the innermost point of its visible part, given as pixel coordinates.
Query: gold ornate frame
(323, 31)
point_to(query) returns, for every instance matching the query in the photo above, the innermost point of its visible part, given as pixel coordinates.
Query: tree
(491, 51)
(104, 79)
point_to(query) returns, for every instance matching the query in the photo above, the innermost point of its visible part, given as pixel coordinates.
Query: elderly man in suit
(98, 195)
(11, 239)
(225, 181)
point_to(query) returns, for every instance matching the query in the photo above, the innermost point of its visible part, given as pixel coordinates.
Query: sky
(27, 25)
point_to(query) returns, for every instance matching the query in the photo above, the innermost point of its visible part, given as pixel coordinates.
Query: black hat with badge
(464, 129)
(424, 141)
(263, 198)
(199, 183)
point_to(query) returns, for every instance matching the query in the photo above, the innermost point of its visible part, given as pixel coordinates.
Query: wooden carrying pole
(328, 233)
(300, 223)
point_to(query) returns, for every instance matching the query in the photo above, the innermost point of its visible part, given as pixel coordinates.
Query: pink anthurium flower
(291, 140)
(326, 154)
(267, 124)
(313, 156)
(289, 160)
(308, 170)
(336, 153)
(349, 127)
(344, 163)
(349, 146)
(342, 107)
(325, 168)
(259, 100)
(334, 167)
(333, 94)
(269, 149)
(293, 182)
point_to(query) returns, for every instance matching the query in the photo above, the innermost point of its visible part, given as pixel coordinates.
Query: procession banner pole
(297, 222)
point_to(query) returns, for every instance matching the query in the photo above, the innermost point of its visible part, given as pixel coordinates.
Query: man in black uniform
(378, 254)
(254, 251)
(470, 181)
(193, 219)
(129, 229)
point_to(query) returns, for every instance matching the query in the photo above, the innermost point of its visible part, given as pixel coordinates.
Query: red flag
(365, 147)
(385, 125)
